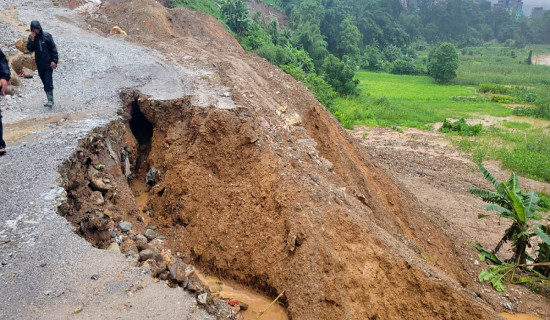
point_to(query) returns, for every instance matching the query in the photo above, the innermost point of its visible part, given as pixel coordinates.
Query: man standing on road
(4, 80)
(45, 54)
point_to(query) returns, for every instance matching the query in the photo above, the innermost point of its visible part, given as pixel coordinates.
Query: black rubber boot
(49, 95)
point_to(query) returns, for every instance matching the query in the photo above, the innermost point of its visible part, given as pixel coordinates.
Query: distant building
(537, 12)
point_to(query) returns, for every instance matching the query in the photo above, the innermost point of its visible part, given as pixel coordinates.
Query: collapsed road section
(179, 185)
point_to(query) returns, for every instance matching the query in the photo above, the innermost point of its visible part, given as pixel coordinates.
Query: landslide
(274, 193)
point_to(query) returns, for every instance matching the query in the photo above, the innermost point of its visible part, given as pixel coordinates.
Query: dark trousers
(46, 75)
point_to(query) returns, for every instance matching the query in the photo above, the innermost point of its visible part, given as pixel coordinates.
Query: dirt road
(46, 269)
(542, 59)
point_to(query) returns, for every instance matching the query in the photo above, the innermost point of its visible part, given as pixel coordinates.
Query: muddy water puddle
(519, 316)
(256, 302)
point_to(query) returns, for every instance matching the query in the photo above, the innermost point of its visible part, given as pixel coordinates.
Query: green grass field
(501, 65)
(411, 101)
(400, 101)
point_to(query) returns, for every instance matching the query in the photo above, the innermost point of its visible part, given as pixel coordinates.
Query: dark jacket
(4, 67)
(43, 47)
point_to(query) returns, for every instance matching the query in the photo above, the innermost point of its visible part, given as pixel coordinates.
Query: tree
(349, 39)
(235, 14)
(339, 75)
(443, 62)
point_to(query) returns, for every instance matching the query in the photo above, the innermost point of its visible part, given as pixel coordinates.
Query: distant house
(537, 12)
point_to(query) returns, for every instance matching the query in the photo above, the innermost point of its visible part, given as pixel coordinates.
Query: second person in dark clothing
(45, 53)
(4, 81)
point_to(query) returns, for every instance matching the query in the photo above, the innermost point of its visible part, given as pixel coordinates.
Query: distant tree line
(328, 39)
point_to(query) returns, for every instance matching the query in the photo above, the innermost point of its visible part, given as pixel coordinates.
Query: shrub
(405, 67)
(461, 127)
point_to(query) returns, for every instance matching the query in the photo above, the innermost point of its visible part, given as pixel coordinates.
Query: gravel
(45, 267)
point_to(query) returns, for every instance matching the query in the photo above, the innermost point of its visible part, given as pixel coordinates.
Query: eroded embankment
(276, 208)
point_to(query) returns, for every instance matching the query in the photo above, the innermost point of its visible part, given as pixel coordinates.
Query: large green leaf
(488, 196)
(542, 234)
(484, 254)
(516, 199)
(489, 177)
(530, 203)
(497, 208)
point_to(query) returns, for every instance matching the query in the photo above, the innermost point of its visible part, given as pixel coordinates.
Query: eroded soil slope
(271, 191)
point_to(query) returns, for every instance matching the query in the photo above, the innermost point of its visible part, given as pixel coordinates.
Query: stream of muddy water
(256, 302)
(519, 316)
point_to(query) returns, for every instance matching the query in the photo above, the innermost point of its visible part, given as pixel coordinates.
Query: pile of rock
(22, 64)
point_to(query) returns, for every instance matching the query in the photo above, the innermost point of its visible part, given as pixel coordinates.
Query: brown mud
(270, 192)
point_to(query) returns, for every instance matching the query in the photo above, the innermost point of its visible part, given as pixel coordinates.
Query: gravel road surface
(46, 269)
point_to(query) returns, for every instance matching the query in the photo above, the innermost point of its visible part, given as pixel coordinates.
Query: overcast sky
(528, 5)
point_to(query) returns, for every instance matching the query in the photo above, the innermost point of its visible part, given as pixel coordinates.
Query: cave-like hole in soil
(142, 129)
(108, 202)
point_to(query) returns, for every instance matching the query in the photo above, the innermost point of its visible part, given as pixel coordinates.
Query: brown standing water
(519, 316)
(256, 302)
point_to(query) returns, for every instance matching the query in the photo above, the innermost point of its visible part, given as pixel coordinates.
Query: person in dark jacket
(45, 53)
(4, 80)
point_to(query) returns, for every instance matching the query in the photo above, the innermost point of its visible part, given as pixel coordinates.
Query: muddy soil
(542, 59)
(439, 175)
(268, 13)
(269, 190)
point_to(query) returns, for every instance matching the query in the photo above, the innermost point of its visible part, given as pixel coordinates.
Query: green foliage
(443, 63)
(256, 37)
(372, 58)
(392, 53)
(235, 15)
(349, 39)
(460, 127)
(339, 75)
(544, 202)
(524, 112)
(406, 67)
(529, 59)
(208, 6)
(510, 202)
(516, 125)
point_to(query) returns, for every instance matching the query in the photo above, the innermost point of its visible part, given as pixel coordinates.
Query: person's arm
(30, 42)
(4, 69)
(53, 52)
(4, 74)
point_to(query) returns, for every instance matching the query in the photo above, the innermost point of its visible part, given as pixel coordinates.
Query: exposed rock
(151, 177)
(202, 298)
(145, 254)
(99, 180)
(12, 90)
(125, 226)
(195, 284)
(164, 275)
(180, 272)
(114, 247)
(97, 198)
(117, 30)
(15, 80)
(150, 234)
(21, 44)
(156, 267)
(141, 242)
(21, 61)
(27, 73)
